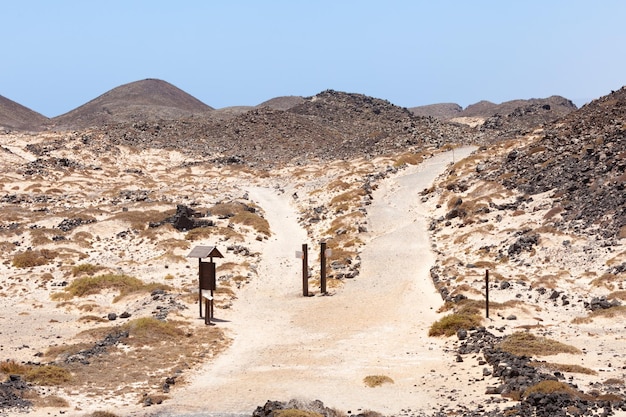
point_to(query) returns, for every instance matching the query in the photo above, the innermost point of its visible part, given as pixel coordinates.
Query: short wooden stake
(323, 267)
(305, 270)
(487, 293)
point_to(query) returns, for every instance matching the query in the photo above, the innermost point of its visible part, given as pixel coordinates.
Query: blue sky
(59, 54)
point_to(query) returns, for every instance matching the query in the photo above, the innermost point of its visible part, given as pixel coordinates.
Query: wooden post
(305, 270)
(200, 285)
(211, 301)
(323, 267)
(487, 293)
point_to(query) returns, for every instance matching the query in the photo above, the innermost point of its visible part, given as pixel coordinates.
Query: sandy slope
(287, 346)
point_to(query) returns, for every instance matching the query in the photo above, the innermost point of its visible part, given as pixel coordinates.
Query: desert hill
(443, 111)
(282, 103)
(331, 125)
(97, 224)
(149, 99)
(582, 161)
(501, 121)
(14, 116)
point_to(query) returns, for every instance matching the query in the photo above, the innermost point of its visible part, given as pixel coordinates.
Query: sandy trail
(287, 346)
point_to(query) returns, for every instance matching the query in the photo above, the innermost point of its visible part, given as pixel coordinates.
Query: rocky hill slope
(14, 116)
(143, 100)
(331, 125)
(582, 161)
(442, 111)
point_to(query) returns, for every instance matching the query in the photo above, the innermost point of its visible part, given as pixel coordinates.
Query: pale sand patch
(287, 346)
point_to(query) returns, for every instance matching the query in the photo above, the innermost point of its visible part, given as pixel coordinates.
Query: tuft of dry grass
(408, 159)
(527, 344)
(48, 375)
(451, 323)
(563, 367)
(45, 375)
(86, 269)
(377, 380)
(12, 367)
(31, 258)
(607, 281)
(347, 200)
(139, 219)
(146, 331)
(94, 285)
(201, 233)
(551, 387)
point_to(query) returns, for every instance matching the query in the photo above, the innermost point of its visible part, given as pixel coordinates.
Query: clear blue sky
(59, 54)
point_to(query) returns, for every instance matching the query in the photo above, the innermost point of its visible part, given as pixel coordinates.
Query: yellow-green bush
(377, 380)
(450, 324)
(30, 258)
(527, 344)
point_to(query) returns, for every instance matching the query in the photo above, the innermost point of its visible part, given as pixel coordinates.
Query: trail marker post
(487, 293)
(304, 255)
(323, 254)
(206, 277)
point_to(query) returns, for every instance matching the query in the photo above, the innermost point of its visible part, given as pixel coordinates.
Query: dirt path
(286, 346)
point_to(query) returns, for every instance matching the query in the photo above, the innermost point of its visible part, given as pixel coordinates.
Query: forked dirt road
(321, 347)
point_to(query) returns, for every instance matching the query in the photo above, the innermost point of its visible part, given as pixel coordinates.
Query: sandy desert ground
(283, 345)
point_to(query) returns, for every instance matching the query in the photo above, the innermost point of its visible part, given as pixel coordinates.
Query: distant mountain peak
(148, 99)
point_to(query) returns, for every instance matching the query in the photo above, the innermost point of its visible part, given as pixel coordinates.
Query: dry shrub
(12, 367)
(451, 323)
(408, 159)
(527, 344)
(31, 258)
(92, 318)
(552, 387)
(563, 367)
(607, 281)
(86, 269)
(337, 185)
(553, 212)
(346, 222)
(172, 243)
(201, 233)
(146, 331)
(619, 295)
(252, 220)
(139, 219)
(546, 281)
(94, 285)
(40, 237)
(377, 380)
(346, 201)
(48, 375)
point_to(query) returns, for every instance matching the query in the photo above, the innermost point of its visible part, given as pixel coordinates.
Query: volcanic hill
(14, 116)
(144, 100)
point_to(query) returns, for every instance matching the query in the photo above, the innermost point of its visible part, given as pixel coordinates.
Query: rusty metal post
(487, 293)
(305, 270)
(323, 267)
(200, 285)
